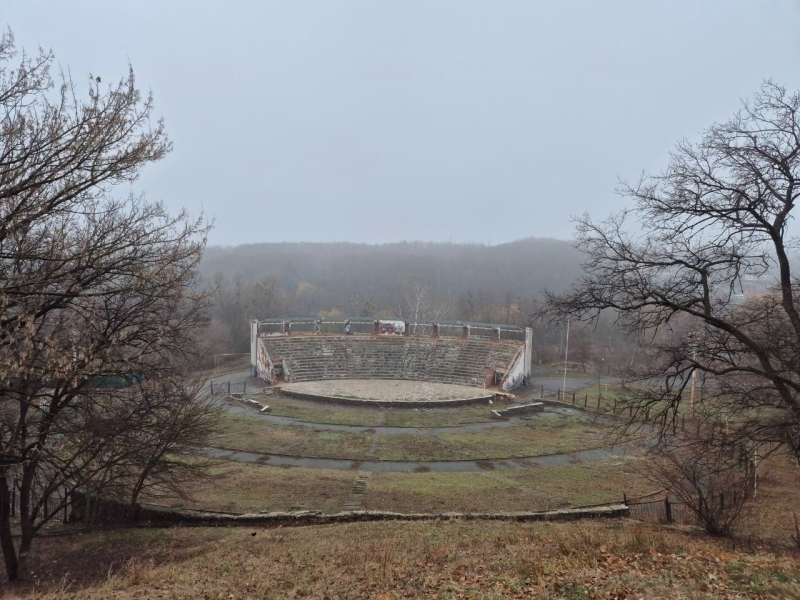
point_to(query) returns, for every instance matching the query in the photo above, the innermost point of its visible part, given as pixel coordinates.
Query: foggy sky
(421, 120)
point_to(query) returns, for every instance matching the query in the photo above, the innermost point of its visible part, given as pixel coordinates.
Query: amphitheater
(387, 415)
(417, 364)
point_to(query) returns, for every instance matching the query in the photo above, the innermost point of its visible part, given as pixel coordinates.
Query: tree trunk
(26, 508)
(6, 541)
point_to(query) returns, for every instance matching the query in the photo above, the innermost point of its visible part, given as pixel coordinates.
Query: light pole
(566, 354)
(600, 374)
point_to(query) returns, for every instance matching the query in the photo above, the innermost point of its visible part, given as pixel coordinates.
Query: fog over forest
(340, 271)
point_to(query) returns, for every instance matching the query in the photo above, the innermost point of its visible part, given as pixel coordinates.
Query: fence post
(585, 400)
(229, 388)
(667, 508)
(212, 387)
(615, 406)
(598, 403)
(542, 392)
(624, 499)
(245, 386)
(573, 396)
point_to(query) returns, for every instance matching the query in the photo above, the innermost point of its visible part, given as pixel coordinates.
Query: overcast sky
(417, 120)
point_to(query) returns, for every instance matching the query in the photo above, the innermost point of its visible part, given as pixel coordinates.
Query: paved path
(370, 465)
(551, 411)
(452, 466)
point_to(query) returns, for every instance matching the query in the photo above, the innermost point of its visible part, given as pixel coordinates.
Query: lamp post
(566, 354)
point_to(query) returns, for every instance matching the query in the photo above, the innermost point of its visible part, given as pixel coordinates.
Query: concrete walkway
(451, 466)
(551, 410)
(369, 465)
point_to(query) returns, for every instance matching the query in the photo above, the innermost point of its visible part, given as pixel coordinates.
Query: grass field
(374, 416)
(538, 488)
(536, 438)
(256, 435)
(245, 488)
(392, 560)
(449, 492)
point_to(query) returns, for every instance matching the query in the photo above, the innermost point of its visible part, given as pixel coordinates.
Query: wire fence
(662, 511)
(229, 387)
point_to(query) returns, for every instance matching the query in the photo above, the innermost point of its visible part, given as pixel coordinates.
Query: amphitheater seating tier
(442, 360)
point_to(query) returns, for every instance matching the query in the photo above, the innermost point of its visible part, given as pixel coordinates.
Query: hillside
(448, 559)
(523, 268)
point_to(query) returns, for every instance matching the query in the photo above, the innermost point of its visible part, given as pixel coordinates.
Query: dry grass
(415, 447)
(335, 415)
(455, 559)
(256, 435)
(373, 416)
(245, 488)
(449, 492)
(538, 437)
(538, 488)
(438, 417)
(584, 484)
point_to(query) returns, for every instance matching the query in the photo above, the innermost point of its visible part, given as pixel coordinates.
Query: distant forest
(413, 280)
(356, 278)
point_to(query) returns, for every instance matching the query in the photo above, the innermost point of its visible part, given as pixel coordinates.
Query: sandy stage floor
(393, 391)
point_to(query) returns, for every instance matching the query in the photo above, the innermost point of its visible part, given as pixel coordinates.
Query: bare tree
(93, 289)
(713, 480)
(236, 302)
(718, 217)
(176, 416)
(418, 303)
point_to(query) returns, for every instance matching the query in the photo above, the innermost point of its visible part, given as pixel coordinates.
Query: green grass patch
(256, 435)
(334, 415)
(431, 417)
(448, 492)
(583, 484)
(417, 447)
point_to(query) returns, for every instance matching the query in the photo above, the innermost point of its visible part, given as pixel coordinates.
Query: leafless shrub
(713, 482)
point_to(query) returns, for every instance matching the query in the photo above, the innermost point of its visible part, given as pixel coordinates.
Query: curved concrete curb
(440, 466)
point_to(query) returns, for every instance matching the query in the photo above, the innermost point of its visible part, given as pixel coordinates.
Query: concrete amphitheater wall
(312, 350)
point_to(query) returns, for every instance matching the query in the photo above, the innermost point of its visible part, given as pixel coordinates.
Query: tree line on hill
(416, 281)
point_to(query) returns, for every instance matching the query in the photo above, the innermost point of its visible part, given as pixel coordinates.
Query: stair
(441, 360)
(356, 496)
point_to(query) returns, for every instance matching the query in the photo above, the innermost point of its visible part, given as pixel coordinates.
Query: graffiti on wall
(264, 367)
